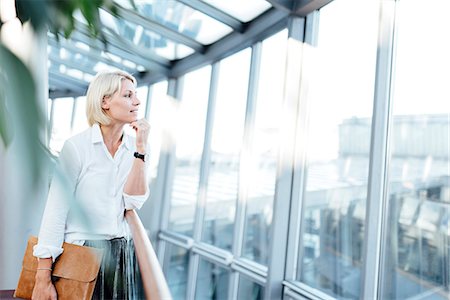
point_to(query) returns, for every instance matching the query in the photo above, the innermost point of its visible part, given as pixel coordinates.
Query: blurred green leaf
(20, 103)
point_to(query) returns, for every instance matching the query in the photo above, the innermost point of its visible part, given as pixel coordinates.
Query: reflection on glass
(176, 270)
(333, 214)
(189, 148)
(242, 10)
(212, 282)
(61, 127)
(417, 248)
(158, 120)
(264, 149)
(228, 128)
(249, 290)
(181, 18)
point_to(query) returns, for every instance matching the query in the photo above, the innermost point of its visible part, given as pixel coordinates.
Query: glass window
(417, 248)
(249, 290)
(264, 149)
(226, 144)
(242, 10)
(142, 93)
(80, 122)
(160, 118)
(176, 270)
(341, 101)
(62, 116)
(189, 148)
(212, 282)
(181, 18)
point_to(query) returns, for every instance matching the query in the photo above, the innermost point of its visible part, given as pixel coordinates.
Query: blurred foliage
(21, 120)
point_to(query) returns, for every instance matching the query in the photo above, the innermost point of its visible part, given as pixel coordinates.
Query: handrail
(155, 284)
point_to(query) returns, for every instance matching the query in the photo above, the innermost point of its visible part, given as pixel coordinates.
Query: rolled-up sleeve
(51, 234)
(135, 201)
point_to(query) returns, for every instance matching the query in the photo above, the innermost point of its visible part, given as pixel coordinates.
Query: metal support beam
(62, 83)
(304, 7)
(379, 149)
(215, 13)
(150, 25)
(286, 164)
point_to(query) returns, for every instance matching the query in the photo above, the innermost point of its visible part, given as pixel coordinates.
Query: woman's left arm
(136, 183)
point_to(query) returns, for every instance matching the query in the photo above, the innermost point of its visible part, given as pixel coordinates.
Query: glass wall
(190, 131)
(212, 282)
(417, 250)
(249, 290)
(341, 97)
(61, 123)
(226, 145)
(176, 270)
(264, 149)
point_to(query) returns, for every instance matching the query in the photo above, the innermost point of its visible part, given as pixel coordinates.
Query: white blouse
(86, 199)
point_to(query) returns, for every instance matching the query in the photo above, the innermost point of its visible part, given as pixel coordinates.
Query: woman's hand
(43, 287)
(142, 128)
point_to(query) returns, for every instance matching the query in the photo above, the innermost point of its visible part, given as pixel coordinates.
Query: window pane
(249, 290)
(62, 116)
(417, 247)
(159, 119)
(228, 128)
(182, 18)
(142, 92)
(212, 282)
(190, 136)
(333, 214)
(264, 152)
(176, 270)
(80, 122)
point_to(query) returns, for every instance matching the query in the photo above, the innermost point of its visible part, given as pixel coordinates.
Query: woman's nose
(136, 101)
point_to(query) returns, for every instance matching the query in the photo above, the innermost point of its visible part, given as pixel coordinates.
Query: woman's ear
(105, 102)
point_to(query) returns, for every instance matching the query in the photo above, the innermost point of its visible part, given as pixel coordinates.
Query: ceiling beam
(150, 25)
(286, 5)
(64, 85)
(302, 8)
(215, 13)
(52, 94)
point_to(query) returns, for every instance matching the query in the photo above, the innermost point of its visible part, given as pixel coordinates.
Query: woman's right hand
(43, 287)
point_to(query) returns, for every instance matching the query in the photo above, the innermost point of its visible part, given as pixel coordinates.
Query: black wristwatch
(141, 156)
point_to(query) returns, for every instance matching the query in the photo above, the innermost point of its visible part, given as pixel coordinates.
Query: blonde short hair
(103, 85)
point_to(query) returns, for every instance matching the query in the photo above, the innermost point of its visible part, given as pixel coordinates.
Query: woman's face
(123, 106)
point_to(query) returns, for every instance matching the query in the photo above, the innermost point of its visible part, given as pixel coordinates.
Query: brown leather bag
(74, 272)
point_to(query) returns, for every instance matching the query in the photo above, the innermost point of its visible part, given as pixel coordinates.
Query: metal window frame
(247, 138)
(376, 208)
(286, 161)
(294, 243)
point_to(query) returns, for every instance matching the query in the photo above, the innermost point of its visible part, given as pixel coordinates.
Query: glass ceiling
(148, 37)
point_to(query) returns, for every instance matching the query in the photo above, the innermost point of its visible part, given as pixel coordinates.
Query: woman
(103, 170)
